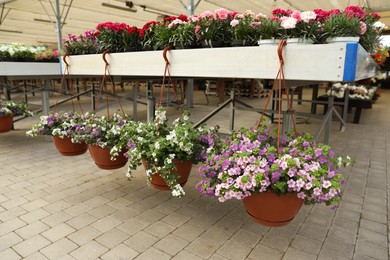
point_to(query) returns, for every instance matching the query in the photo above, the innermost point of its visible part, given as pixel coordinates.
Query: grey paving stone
(171, 245)
(306, 244)
(112, 238)
(152, 253)
(374, 216)
(132, 226)
(31, 245)
(371, 250)
(11, 225)
(9, 240)
(275, 241)
(217, 234)
(262, 252)
(58, 232)
(59, 249)
(231, 250)
(84, 235)
(185, 255)
(120, 252)
(188, 232)
(346, 224)
(338, 247)
(9, 254)
(329, 255)
(81, 221)
(372, 237)
(106, 223)
(141, 241)
(91, 250)
(203, 247)
(293, 253)
(313, 231)
(342, 235)
(159, 229)
(246, 238)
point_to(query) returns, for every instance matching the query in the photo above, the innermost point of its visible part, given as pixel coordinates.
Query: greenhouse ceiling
(33, 21)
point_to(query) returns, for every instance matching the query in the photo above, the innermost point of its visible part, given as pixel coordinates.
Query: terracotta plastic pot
(67, 148)
(102, 158)
(271, 210)
(183, 170)
(6, 123)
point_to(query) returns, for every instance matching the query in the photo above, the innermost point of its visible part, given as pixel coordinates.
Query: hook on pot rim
(104, 56)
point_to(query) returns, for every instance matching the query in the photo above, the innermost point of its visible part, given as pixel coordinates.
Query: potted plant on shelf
(213, 28)
(166, 151)
(64, 128)
(148, 40)
(269, 30)
(8, 110)
(273, 178)
(118, 37)
(297, 27)
(4, 54)
(183, 34)
(243, 28)
(85, 43)
(102, 134)
(373, 30)
(345, 25)
(162, 33)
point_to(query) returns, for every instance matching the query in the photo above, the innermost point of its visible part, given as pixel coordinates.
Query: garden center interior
(195, 129)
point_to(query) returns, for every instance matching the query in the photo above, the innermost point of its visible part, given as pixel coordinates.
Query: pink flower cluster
(248, 163)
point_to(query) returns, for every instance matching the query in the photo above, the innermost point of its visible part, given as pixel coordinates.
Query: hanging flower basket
(102, 158)
(183, 170)
(6, 123)
(271, 210)
(67, 148)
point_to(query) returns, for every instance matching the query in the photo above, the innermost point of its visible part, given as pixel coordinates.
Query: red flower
(183, 17)
(131, 29)
(375, 16)
(321, 14)
(355, 11)
(170, 19)
(148, 24)
(281, 12)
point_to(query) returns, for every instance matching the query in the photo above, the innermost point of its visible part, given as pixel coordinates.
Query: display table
(303, 65)
(322, 62)
(29, 71)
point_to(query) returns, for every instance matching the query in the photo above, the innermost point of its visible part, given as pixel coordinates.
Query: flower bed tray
(320, 62)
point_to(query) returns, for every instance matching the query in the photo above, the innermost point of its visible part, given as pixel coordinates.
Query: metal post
(189, 93)
(93, 99)
(58, 25)
(149, 101)
(135, 94)
(232, 111)
(45, 97)
(190, 82)
(329, 119)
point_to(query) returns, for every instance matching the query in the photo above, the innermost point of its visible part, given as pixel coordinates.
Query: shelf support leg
(232, 110)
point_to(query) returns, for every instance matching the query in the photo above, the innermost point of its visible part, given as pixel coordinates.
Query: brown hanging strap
(69, 85)
(104, 86)
(168, 72)
(279, 81)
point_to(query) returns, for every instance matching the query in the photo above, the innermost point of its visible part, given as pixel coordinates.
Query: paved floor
(56, 207)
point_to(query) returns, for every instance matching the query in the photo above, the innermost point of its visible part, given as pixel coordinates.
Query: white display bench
(303, 64)
(29, 71)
